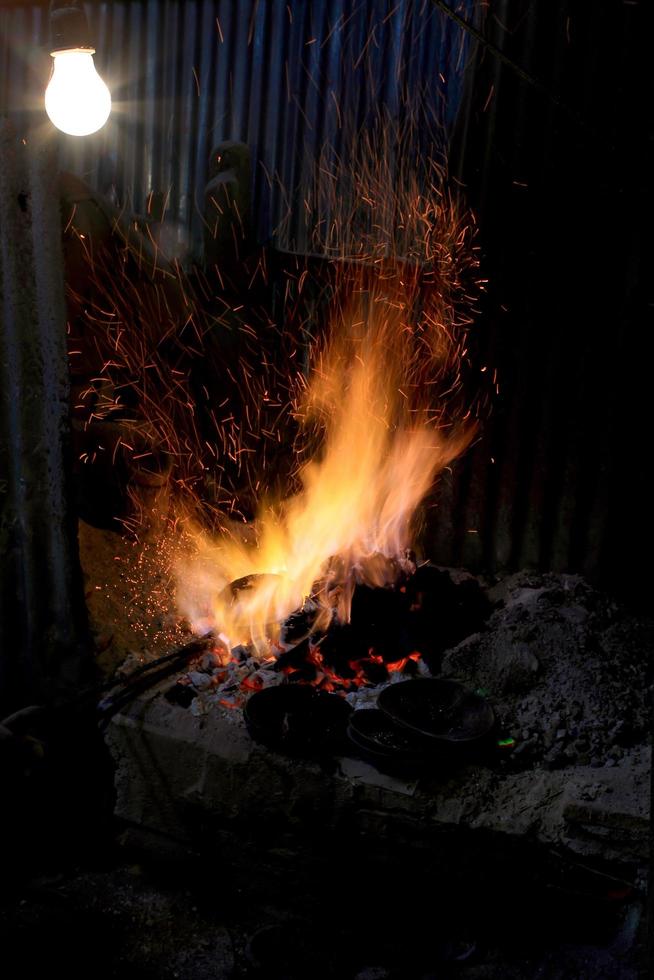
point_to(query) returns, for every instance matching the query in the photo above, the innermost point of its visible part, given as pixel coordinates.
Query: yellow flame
(369, 395)
(379, 402)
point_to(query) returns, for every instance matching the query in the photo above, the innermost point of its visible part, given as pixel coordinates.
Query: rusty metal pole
(44, 648)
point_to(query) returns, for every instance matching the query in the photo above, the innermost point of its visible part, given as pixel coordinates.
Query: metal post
(44, 651)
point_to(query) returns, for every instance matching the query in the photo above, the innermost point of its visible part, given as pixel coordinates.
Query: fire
(376, 429)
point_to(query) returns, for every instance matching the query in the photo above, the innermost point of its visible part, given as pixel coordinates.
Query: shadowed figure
(228, 236)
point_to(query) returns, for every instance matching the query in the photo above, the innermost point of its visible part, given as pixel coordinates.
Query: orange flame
(371, 404)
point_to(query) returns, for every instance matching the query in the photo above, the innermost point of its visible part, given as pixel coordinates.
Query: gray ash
(567, 670)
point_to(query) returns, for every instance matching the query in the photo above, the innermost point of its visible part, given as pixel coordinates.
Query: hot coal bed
(486, 745)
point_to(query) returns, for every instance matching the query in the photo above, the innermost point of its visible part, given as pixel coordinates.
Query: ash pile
(569, 672)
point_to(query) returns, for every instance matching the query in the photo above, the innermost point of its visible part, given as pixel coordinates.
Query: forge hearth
(566, 672)
(397, 630)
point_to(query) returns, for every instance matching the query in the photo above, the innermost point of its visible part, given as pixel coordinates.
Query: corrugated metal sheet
(556, 478)
(287, 78)
(558, 185)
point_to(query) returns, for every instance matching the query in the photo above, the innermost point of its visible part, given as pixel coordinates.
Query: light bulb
(76, 99)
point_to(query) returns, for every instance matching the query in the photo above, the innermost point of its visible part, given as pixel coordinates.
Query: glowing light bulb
(77, 100)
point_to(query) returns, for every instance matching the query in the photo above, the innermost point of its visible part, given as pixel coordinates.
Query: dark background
(561, 186)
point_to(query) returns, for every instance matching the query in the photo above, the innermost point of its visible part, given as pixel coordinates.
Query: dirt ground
(194, 917)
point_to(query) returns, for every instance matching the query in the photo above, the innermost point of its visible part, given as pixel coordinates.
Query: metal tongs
(148, 675)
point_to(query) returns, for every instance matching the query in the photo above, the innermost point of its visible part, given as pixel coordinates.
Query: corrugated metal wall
(287, 78)
(559, 185)
(557, 479)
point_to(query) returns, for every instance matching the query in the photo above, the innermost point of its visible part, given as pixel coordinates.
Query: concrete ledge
(174, 769)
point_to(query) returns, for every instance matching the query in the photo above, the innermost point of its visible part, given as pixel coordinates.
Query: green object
(482, 692)
(505, 743)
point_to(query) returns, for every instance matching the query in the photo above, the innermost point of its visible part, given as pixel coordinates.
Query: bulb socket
(69, 29)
